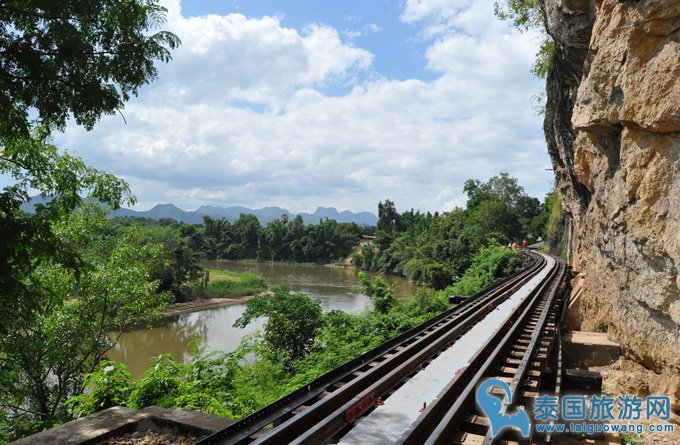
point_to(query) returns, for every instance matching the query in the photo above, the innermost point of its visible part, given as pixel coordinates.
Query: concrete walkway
(110, 422)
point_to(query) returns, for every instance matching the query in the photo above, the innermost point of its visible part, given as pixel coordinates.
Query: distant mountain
(361, 218)
(161, 211)
(33, 201)
(264, 215)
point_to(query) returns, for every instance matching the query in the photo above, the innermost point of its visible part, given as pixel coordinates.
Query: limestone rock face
(613, 129)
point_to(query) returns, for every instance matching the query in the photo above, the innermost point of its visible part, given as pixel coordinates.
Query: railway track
(327, 408)
(518, 356)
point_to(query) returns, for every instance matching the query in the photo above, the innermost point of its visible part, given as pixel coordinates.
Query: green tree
(292, 323)
(82, 58)
(177, 265)
(76, 317)
(30, 239)
(502, 187)
(433, 249)
(491, 262)
(79, 58)
(492, 219)
(294, 233)
(228, 385)
(526, 15)
(247, 230)
(389, 223)
(75, 57)
(529, 211)
(378, 289)
(217, 237)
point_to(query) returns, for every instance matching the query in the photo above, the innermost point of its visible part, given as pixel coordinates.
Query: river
(334, 287)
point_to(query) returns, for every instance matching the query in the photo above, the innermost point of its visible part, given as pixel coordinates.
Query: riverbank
(204, 304)
(211, 321)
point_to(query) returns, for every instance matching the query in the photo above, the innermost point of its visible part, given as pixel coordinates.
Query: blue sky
(399, 54)
(313, 103)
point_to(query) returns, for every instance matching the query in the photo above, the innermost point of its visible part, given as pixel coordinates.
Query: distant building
(366, 239)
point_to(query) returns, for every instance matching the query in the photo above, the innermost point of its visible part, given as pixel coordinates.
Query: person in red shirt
(514, 247)
(524, 244)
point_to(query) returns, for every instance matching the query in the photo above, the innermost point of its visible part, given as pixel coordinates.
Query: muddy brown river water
(336, 288)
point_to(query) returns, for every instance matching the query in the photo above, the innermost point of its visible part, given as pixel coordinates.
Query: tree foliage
(75, 57)
(378, 289)
(82, 58)
(178, 271)
(67, 287)
(490, 262)
(206, 384)
(227, 385)
(29, 240)
(526, 15)
(292, 323)
(436, 250)
(280, 240)
(76, 316)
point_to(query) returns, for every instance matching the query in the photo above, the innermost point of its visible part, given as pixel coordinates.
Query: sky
(308, 103)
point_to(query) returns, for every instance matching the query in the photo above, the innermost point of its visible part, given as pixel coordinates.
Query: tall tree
(389, 223)
(76, 317)
(72, 57)
(79, 57)
(502, 187)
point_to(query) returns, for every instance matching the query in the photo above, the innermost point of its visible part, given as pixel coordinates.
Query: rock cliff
(613, 130)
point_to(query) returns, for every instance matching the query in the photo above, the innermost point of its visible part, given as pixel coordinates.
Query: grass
(631, 439)
(225, 283)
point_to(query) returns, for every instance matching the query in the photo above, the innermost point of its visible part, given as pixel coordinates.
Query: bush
(381, 292)
(491, 263)
(109, 386)
(227, 385)
(292, 323)
(206, 384)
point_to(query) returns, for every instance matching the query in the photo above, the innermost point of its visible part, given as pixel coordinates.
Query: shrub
(491, 263)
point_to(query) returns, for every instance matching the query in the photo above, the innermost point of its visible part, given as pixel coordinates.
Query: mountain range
(264, 215)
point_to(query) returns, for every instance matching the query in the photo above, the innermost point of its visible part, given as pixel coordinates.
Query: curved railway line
(520, 350)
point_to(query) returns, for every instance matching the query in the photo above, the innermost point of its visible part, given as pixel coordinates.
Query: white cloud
(240, 116)
(234, 57)
(417, 10)
(353, 34)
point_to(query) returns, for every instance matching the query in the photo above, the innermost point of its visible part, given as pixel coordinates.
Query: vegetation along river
(336, 288)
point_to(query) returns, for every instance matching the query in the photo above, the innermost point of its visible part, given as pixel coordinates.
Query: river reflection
(334, 287)
(213, 328)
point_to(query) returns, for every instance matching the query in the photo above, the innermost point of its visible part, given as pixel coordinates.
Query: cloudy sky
(308, 103)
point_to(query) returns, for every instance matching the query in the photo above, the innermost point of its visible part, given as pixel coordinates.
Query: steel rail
(454, 400)
(240, 431)
(523, 367)
(559, 372)
(438, 423)
(330, 415)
